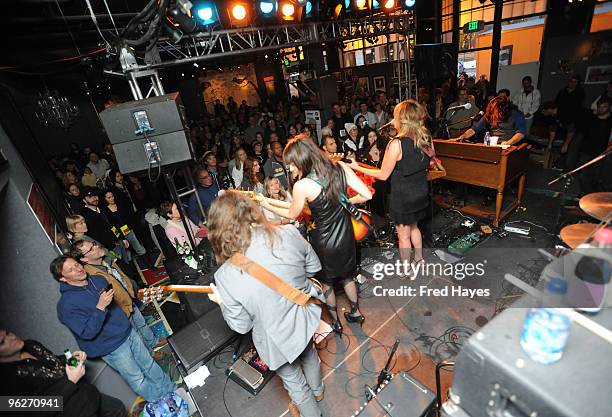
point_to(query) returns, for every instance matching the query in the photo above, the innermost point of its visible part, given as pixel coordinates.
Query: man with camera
(91, 256)
(102, 329)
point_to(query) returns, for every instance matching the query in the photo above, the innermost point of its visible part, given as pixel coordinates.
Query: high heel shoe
(354, 319)
(337, 327)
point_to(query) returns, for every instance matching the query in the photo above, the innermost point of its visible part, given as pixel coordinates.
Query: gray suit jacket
(281, 328)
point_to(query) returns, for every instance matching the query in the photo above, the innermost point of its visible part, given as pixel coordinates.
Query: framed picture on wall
(380, 83)
(505, 55)
(599, 74)
(364, 84)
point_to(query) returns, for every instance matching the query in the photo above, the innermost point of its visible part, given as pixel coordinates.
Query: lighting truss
(222, 43)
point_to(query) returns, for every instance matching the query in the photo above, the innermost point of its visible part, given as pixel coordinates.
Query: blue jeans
(140, 325)
(135, 244)
(134, 363)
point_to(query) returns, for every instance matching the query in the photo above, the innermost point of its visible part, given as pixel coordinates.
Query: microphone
(466, 106)
(478, 115)
(389, 123)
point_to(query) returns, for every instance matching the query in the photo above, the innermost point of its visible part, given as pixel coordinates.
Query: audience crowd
(241, 146)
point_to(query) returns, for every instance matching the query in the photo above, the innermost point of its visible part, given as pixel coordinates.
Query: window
(602, 17)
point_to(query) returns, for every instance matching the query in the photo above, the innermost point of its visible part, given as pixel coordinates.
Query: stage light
(409, 4)
(289, 12)
(361, 4)
(180, 19)
(308, 8)
(389, 5)
(375, 5)
(205, 13)
(240, 13)
(301, 2)
(266, 8)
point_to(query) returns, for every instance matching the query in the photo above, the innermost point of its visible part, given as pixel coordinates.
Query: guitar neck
(178, 288)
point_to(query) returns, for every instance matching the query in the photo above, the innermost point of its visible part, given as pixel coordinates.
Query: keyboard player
(501, 120)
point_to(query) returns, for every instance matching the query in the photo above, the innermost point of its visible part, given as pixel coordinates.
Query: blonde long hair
(231, 219)
(408, 118)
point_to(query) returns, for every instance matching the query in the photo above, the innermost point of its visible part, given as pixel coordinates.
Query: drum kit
(596, 205)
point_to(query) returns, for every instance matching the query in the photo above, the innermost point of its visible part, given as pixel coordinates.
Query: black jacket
(47, 376)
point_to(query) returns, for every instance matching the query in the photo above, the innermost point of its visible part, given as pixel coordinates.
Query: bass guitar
(146, 295)
(361, 219)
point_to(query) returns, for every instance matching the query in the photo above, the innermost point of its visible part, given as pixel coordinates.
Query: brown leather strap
(271, 280)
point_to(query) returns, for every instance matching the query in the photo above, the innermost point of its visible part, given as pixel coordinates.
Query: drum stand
(567, 176)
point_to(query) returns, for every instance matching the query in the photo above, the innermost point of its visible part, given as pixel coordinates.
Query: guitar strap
(272, 281)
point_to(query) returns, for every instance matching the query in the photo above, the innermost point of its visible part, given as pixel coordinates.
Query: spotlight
(266, 7)
(206, 13)
(301, 2)
(239, 13)
(389, 5)
(289, 12)
(360, 5)
(409, 4)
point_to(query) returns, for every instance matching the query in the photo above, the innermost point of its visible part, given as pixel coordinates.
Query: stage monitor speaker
(402, 396)
(493, 376)
(147, 133)
(200, 341)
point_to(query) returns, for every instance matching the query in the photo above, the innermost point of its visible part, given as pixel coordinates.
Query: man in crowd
(340, 119)
(274, 166)
(380, 116)
(98, 166)
(528, 101)
(369, 116)
(461, 119)
(91, 256)
(102, 330)
(250, 132)
(99, 226)
(569, 102)
(329, 144)
(594, 138)
(219, 176)
(207, 191)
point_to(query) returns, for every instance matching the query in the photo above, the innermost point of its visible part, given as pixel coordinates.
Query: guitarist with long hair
(406, 160)
(322, 184)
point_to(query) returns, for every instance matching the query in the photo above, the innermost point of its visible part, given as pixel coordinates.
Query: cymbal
(574, 234)
(598, 205)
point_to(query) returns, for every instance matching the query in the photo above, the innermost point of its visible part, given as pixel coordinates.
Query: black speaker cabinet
(157, 122)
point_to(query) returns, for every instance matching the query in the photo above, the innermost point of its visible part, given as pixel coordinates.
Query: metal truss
(217, 44)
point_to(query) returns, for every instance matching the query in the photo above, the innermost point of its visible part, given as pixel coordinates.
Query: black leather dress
(333, 239)
(409, 189)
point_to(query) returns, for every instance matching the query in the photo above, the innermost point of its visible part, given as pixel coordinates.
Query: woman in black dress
(406, 160)
(322, 184)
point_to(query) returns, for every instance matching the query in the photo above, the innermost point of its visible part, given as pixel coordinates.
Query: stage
(430, 328)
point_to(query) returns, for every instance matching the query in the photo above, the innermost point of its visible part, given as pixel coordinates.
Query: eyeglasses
(93, 245)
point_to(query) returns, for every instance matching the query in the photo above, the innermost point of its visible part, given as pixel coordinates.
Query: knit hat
(349, 126)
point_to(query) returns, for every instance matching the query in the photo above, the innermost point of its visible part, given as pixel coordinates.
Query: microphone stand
(385, 375)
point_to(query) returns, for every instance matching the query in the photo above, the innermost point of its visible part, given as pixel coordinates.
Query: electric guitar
(146, 295)
(435, 170)
(361, 219)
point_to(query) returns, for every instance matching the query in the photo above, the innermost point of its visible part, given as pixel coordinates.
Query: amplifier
(494, 377)
(402, 396)
(200, 341)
